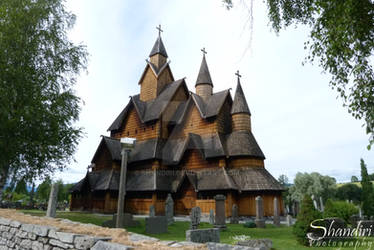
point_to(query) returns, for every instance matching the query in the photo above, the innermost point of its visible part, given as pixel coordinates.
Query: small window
(152, 127)
(136, 131)
(144, 129)
(128, 133)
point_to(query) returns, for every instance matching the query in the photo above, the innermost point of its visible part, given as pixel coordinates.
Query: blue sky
(296, 118)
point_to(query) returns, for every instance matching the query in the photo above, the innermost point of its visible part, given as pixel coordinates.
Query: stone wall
(16, 235)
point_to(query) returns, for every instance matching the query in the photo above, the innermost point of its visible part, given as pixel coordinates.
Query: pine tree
(307, 214)
(367, 191)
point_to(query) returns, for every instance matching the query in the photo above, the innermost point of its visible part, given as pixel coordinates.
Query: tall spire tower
(157, 73)
(204, 84)
(241, 116)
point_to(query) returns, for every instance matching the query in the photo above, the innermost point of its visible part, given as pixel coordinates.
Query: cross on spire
(204, 51)
(237, 74)
(159, 29)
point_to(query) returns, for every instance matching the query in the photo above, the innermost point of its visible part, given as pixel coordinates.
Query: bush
(249, 224)
(306, 215)
(340, 209)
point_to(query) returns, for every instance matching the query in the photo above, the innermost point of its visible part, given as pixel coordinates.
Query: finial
(204, 51)
(237, 74)
(159, 30)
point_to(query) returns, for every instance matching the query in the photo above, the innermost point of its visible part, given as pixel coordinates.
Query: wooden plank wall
(192, 159)
(245, 162)
(134, 128)
(148, 85)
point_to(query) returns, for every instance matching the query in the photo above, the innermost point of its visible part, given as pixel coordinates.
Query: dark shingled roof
(212, 105)
(151, 110)
(242, 179)
(214, 179)
(214, 146)
(145, 150)
(113, 145)
(243, 143)
(158, 48)
(204, 75)
(254, 178)
(240, 103)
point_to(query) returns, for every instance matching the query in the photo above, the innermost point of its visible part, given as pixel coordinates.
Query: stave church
(191, 145)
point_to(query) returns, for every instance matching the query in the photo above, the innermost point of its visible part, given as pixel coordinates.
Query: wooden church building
(191, 145)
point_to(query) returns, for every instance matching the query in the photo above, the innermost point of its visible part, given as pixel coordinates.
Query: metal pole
(122, 189)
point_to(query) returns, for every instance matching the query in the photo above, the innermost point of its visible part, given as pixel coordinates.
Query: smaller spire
(240, 103)
(158, 47)
(204, 75)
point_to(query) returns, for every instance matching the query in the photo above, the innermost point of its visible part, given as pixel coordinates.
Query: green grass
(282, 237)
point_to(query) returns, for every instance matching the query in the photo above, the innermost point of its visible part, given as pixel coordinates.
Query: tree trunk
(3, 179)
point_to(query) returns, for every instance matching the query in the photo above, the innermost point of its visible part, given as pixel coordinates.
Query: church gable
(107, 154)
(148, 90)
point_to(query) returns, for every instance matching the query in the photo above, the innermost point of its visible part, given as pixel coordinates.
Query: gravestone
(203, 235)
(289, 220)
(169, 209)
(152, 211)
(52, 203)
(321, 204)
(128, 221)
(314, 202)
(360, 212)
(260, 221)
(220, 218)
(195, 217)
(211, 216)
(156, 225)
(234, 215)
(276, 218)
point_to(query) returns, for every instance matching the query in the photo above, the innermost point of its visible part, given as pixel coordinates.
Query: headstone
(321, 204)
(156, 225)
(314, 202)
(211, 216)
(220, 218)
(152, 211)
(52, 203)
(128, 221)
(234, 215)
(260, 221)
(354, 220)
(169, 209)
(289, 220)
(360, 212)
(276, 218)
(203, 235)
(195, 217)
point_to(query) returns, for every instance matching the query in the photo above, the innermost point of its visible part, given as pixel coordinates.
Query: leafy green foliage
(312, 184)
(367, 191)
(306, 215)
(349, 192)
(249, 224)
(354, 179)
(38, 68)
(21, 187)
(342, 39)
(43, 190)
(339, 209)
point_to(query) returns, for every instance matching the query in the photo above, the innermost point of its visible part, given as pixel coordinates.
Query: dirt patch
(120, 236)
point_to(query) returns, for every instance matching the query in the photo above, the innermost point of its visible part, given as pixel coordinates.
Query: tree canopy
(367, 195)
(38, 105)
(312, 184)
(342, 40)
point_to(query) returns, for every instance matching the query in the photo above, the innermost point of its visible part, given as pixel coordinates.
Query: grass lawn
(282, 237)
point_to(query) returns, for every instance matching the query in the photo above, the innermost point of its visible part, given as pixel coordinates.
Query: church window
(152, 127)
(136, 131)
(128, 133)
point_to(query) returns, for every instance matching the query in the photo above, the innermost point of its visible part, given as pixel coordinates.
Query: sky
(297, 119)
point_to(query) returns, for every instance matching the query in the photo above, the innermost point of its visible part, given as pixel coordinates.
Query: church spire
(158, 47)
(204, 84)
(240, 103)
(204, 75)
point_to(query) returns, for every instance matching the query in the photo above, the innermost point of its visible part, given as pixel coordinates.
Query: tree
(43, 190)
(367, 191)
(21, 187)
(342, 39)
(312, 184)
(349, 192)
(354, 178)
(283, 180)
(38, 69)
(306, 215)
(339, 209)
